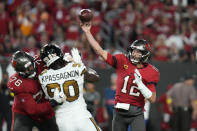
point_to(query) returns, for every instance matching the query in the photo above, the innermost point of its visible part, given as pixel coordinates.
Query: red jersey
(29, 97)
(126, 90)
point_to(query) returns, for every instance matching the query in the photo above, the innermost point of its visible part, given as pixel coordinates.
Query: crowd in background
(169, 25)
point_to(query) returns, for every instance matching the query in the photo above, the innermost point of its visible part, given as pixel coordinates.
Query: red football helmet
(141, 45)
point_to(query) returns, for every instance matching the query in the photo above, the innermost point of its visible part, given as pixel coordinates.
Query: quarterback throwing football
(136, 80)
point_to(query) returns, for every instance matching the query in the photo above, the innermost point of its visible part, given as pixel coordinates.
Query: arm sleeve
(154, 79)
(29, 105)
(116, 60)
(151, 87)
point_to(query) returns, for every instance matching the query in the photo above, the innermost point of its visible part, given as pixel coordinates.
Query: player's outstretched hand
(86, 26)
(59, 97)
(76, 55)
(68, 57)
(138, 77)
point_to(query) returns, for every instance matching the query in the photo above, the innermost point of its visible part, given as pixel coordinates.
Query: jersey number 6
(70, 89)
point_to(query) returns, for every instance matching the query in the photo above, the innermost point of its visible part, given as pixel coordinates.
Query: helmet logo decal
(14, 63)
(148, 46)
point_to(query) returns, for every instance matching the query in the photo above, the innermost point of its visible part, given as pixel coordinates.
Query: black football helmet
(24, 64)
(50, 53)
(141, 45)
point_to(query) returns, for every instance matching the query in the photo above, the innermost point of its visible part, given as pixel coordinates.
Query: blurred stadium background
(169, 25)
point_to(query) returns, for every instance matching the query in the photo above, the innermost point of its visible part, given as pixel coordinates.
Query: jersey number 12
(124, 89)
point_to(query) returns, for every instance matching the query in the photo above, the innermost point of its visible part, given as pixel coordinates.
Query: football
(85, 15)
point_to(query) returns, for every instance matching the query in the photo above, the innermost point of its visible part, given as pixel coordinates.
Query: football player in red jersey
(136, 80)
(29, 108)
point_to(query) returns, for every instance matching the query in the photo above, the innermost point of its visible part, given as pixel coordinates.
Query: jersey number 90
(70, 89)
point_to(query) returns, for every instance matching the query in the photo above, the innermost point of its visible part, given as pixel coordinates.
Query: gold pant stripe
(93, 121)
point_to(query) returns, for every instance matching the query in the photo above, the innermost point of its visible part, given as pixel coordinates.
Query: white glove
(138, 77)
(143, 89)
(76, 55)
(68, 57)
(59, 97)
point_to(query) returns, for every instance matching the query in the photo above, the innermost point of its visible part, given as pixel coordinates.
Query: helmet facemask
(50, 53)
(31, 70)
(50, 59)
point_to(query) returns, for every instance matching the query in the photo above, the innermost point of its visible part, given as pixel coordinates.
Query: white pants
(74, 124)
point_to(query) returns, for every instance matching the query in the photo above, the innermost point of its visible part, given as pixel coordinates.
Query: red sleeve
(151, 87)
(28, 104)
(153, 79)
(110, 60)
(11, 86)
(116, 60)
